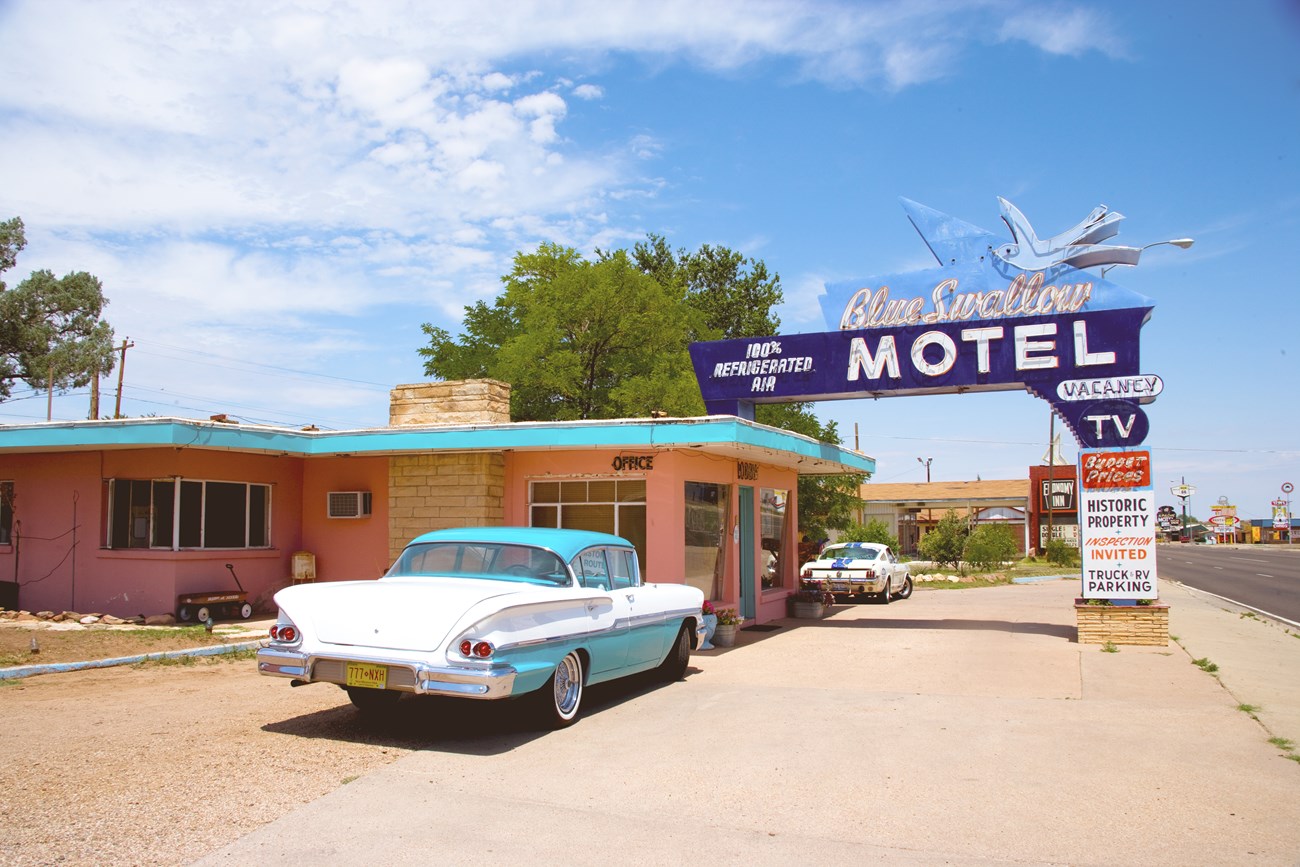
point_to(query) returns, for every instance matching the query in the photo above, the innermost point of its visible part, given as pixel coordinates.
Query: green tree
(52, 334)
(874, 530)
(827, 503)
(580, 339)
(944, 543)
(989, 546)
(735, 294)
(576, 340)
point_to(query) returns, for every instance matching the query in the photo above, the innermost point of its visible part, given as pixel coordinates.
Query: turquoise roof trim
(740, 439)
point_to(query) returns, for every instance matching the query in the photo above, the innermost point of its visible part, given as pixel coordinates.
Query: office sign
(995, 316)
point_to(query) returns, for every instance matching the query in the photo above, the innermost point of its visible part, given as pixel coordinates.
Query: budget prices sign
(1117, 524)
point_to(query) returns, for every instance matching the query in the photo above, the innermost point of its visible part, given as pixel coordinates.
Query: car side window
(594, 569)
(623, 568)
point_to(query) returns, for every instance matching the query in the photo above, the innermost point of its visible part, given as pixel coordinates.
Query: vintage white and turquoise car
(849, 569)
(488, 613)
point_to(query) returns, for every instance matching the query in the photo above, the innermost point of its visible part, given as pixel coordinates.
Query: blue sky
(277, 195)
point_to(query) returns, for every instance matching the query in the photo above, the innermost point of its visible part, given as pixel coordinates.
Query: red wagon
(212, 604)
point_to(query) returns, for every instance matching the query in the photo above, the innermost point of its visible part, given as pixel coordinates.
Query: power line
(256, 364)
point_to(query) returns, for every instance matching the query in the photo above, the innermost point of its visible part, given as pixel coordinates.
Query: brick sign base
(1122, 624)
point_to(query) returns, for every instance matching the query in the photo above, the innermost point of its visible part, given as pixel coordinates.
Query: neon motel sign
(994, 316)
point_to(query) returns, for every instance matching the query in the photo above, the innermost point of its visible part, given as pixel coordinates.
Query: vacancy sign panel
(1117, 524)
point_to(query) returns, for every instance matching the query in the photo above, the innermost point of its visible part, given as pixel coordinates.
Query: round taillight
(283, 632)
(475, 649)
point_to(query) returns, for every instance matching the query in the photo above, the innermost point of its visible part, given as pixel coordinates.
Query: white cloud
(259, 175)
(497, 81)
(1062, 30)
(800, 311)
(645, 146)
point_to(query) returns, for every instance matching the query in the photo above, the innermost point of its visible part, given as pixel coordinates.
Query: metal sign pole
(1287, 488)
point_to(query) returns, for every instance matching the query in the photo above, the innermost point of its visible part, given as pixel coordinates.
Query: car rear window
(494, 561)
(850, 554)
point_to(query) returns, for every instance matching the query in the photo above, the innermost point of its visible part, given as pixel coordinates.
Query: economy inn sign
(996, 315)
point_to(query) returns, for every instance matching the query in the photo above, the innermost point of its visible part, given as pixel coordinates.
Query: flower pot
(710, 627)
(809, 610)
(725, 636)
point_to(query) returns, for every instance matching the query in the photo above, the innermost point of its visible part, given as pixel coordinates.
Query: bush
(1061, 553)
(945, 542)
(989, 546)
(872, 531)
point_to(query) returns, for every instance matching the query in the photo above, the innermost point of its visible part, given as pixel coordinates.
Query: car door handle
(631, 597)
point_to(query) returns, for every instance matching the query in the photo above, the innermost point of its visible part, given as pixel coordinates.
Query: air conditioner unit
(349, 504)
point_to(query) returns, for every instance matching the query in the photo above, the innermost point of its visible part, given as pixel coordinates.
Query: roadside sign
(1281, 518)
(1117, 524)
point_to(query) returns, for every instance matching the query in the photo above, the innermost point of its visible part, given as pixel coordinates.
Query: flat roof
(725, 436)
(914, 494)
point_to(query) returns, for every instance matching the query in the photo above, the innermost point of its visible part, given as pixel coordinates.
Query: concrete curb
(55, 667)
(1195, 590)
(1030, 579)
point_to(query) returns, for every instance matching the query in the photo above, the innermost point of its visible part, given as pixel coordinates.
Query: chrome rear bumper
(403, 676)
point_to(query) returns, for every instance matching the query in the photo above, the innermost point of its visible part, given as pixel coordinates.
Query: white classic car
(849, 569)
(488, 613)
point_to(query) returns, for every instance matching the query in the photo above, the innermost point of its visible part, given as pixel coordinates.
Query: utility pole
(94, 395)
(1051, 474)
(121, 372)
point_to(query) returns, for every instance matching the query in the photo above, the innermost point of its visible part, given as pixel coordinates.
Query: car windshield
(848, 553)
(492, 560)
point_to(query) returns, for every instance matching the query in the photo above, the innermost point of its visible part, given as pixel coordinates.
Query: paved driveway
(959, 727)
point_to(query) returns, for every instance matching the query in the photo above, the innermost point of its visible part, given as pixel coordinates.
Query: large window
(182, 513)
(6, 513)
(605, 505)
(772, 519)
(706, 535)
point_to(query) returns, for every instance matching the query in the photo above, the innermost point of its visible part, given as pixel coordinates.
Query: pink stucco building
(123, 516)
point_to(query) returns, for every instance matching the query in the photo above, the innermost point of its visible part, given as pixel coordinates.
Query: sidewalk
(957, 727)
(1258, 658)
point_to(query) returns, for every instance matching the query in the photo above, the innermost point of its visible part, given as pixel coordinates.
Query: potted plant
(728, 622)
(811, 600)
(710, 625)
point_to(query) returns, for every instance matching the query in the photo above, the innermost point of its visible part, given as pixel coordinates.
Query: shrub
(945, 542)
(1061, 553)
(989, 546)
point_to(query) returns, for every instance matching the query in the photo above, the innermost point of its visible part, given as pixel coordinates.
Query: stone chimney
(460, 402)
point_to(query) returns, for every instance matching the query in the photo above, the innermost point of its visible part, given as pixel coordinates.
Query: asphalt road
(1265, 578)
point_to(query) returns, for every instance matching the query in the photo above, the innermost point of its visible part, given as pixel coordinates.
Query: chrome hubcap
(568, 685)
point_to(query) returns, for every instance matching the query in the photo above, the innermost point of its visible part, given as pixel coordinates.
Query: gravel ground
(163, 764)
